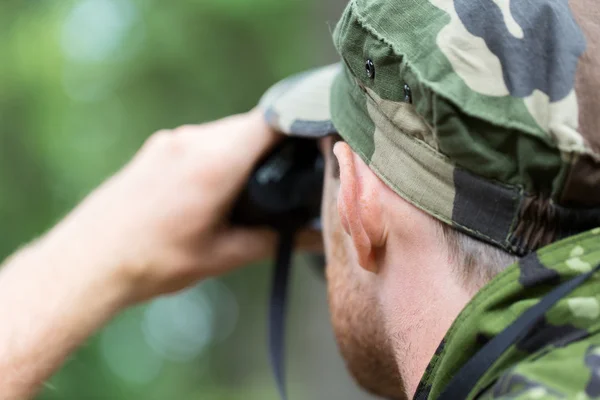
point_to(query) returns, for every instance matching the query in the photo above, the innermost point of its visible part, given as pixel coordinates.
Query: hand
(160, 223)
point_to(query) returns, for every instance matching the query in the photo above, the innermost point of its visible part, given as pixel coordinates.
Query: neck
(421, 300)
(417, 340)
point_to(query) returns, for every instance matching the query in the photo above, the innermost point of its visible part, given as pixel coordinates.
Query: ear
(359, 206)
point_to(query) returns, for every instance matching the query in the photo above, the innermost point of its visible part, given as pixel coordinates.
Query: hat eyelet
(407, 94)
(370, 69)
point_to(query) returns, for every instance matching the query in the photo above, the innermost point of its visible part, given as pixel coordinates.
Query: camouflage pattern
(477, 112)
(560, 359)
(486, 115)
(300, 105)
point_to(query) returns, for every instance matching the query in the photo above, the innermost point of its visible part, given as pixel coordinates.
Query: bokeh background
(82, 84)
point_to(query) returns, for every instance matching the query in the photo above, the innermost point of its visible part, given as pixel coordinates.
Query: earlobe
(358, 206)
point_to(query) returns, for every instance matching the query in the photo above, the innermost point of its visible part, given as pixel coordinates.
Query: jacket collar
(507, 296)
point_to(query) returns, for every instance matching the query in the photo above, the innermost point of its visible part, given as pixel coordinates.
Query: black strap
(278, 308)
(465, 380)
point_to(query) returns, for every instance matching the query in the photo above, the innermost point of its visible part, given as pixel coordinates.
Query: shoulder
(570, 372)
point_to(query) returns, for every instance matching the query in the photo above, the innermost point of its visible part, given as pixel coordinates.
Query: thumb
(239, 246)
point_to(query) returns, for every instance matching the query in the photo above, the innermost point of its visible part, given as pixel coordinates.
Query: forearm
(49, 304)
(155, 227)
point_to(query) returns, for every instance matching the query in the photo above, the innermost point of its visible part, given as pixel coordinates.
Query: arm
(48, 305)
(155, 227)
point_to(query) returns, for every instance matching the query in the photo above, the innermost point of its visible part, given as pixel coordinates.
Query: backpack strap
(467, 377)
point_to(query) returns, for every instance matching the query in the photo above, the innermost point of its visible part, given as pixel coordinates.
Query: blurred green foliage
(82, 84)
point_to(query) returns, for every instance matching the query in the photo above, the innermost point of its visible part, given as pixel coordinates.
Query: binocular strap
(277, 309)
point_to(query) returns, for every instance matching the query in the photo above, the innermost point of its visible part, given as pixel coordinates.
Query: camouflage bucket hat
(483, 114)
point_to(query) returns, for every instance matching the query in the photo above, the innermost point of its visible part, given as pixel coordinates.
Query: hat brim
(299, 105)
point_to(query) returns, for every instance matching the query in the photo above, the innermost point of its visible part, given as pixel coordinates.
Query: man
(468, 141)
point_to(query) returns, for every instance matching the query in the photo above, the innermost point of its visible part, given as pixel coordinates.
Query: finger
(247, 135)
(309, 240)
(251, 131)
(251, 139)
(237, 247)
(240, 246)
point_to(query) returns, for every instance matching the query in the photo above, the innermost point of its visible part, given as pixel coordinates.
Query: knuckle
(166, 142)
(187, 129)
(157, 138)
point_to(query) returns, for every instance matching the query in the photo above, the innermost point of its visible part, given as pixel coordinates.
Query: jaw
(360, 332)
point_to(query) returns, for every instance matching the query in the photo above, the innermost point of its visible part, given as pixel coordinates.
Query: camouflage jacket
(560, 359)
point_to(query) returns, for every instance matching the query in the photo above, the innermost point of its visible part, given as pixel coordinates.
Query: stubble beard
(359, 327)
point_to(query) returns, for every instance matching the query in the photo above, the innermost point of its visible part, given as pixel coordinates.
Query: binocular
(283, 192)
(285, 188)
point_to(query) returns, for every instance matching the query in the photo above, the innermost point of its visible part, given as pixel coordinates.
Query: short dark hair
(476, 262)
